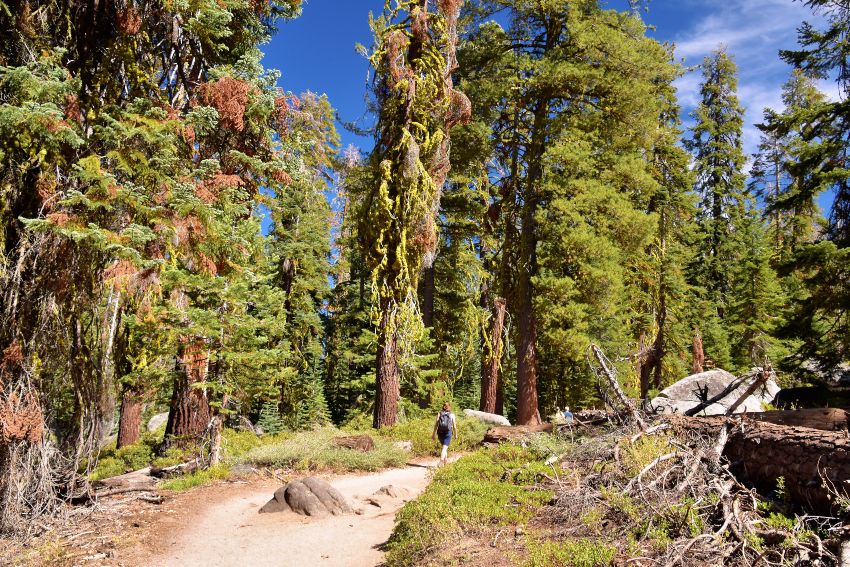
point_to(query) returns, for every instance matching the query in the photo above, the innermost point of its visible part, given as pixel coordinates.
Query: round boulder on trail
(309, 497)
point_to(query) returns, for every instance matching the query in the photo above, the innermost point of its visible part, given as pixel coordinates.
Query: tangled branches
(676, 503)
(28, 462)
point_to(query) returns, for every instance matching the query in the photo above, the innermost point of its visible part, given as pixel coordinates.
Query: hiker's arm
(434, 433)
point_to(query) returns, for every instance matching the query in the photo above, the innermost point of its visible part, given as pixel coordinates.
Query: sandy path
(230, 532)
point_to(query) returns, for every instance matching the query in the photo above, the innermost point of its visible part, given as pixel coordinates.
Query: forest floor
(219, 524)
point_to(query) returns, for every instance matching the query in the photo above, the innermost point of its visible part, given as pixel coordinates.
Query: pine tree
(568, 126)
(776, 176)
(819, 317)
(741, 293)
(668, 295)
(716, 144)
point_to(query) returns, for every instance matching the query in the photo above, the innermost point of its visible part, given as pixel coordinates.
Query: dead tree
(610, 390)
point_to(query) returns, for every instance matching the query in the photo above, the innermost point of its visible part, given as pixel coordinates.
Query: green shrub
(136, 456)
(235, 444)
(174, 456)
(314, 450)
(570, 553)
(113, 462)
(486, 488)
(108, 467)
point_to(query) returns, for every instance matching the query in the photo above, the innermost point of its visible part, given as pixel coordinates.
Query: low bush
(486, 488)
(197, 478)
(113, 462)
(314, 450)
(570, 553)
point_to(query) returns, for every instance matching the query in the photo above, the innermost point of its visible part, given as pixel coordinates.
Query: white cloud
(753, 32)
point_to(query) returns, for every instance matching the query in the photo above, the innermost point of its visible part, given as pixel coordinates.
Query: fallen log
(813, 463)
(826, 419)
(362, 443)
(175, 470)
(515, 432)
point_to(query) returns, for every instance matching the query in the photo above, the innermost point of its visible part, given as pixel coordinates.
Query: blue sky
(316, 51)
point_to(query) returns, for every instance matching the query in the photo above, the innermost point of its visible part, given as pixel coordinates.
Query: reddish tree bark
(491, 358)
(190, 409)
(699, 355)
(130, 421)
(386, 372)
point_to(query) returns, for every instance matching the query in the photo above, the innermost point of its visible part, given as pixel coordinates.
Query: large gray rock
(491, 418)
(689, 392)
(309, 497)
(277, 503)
(329, 496)
(302, 500)
(157, 421)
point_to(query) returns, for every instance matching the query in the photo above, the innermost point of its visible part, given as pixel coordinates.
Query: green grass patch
(197, 478)
(314, 450)
(570, 553)
(470, 433)
(490, 487)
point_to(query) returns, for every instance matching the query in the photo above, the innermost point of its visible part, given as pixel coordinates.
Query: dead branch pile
(812, 463)
(662, 499)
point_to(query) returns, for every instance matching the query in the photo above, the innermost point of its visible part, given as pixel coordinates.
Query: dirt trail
(230, 532)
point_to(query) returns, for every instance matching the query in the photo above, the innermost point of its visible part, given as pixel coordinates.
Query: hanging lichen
(413, 61)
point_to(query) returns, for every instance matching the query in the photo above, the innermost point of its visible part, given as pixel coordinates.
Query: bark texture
(130, 421)
(428, 296)
(190, 408)
(492, 357)
(387, 372)
(826, 419)
(699, 355)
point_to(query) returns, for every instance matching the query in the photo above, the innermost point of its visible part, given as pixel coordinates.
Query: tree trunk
(763, 452)
(492, 357)
(428, 296)
(130, 422)
(527, 413)
(699, 355)
(190, 409)
(500, 394)
(386, 372)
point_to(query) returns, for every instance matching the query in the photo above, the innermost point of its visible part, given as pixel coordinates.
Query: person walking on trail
(444, 428)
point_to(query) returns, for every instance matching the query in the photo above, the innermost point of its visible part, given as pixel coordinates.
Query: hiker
(568, 415)
(444, 428)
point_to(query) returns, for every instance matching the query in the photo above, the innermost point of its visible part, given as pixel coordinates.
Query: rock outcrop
(310, 496)
(491, 418)
(695, 389)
